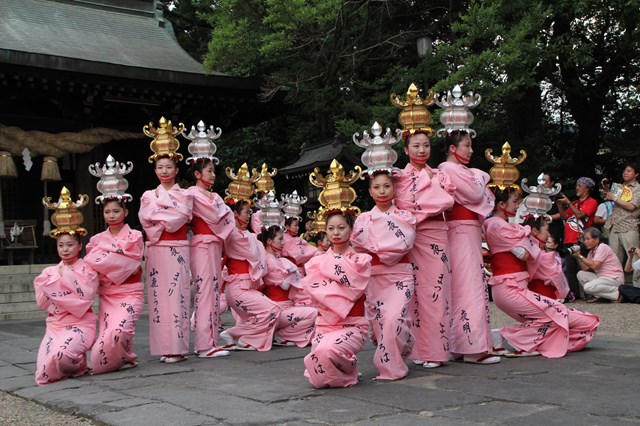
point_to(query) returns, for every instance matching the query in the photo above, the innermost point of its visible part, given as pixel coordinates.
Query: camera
(557, 197)
(568, 251)
(632, 250)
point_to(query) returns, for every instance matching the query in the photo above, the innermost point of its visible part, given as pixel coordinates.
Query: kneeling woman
(336, 283)
(66, 291)
(296, 324)
(546, 327)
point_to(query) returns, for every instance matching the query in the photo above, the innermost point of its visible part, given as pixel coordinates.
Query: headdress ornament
(112, 184)
(504, 172)
(318, 221)
(378, 156)
(164, 143)
(201, 145)
(415, 117)
(67, 218)
(241, 186)
(270, 211)
(337, 194)
(538, 202)
(293, 205)
(265, 183)
(456, 114)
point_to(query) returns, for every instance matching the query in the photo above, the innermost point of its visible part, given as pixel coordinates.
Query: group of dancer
(409, 274)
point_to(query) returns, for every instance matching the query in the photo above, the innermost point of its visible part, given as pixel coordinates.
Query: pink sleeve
(42, 300)
(75, 290)
(281, 271)
(116, 259)
(471, 188)
(297, 249)
(389, 236)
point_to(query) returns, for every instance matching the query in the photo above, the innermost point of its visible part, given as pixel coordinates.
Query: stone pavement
(598, 386)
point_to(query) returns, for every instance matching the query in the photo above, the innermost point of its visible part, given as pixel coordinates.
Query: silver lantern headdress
(112, 184)
(378, 156)
(270, 211)
(538, 202)
(202, 145)
(293, 205)
(456, 114)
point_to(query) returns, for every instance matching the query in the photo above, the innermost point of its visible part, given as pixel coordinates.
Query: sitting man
(603, 283)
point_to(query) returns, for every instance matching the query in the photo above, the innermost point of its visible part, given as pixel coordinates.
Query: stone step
(8, 270)
(15, 297)
(29, 315)
(16, 279)
(16, 288)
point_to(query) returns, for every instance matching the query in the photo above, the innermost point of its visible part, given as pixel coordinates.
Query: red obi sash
(134, 278)
(460, 212)
(236, 266)
(276, 293)
(358, 308)
(180, 234)
(375, 260)
(291, 259)
(506, 263)
(439, 217)
(200, 227)
(538, 286)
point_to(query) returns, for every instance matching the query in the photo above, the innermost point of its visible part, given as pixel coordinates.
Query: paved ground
(598, 386)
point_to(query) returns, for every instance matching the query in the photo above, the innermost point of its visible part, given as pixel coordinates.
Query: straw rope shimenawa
(14, 140)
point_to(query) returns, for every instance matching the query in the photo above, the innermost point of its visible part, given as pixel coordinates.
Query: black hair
(197, 166)
(502, 195)
(454, 138)
(121, 203)
(288, 221)
(269, 234)
(378, 173)
(634, 166)
(236, 207)
(319, 236)
(534, 222)
(348, 215)
(75, 236)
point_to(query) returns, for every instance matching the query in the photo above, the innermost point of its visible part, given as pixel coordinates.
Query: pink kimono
(256, 315)
(470, 328)
(298, 251)
(212, 223)
(117, 260)
(388, 237)
(546, 326)
(548, 272)
(337, 284)
(164, 219)
(427, 198)
(66, 293)
(296, 324)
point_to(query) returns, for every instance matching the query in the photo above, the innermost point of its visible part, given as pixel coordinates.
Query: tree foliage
(558, 77)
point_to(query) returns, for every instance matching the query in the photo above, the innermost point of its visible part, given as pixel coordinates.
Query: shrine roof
(128, 38)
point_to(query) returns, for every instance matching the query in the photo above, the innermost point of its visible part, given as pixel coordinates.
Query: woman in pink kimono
(298, 251)
(547, 277)
(296, 324)
(387, 234)
(256, 315)
(212, 223)
(470, 329)
(116, 254)
(164, 214)
(426, 193)
(337, 282)
(546, 327)
(66, 291)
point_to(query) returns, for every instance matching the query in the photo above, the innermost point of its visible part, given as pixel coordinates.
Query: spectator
(577, 216)
(623, 222)
(602, 284)
(604, 210)
(632, 266)
(556, 227)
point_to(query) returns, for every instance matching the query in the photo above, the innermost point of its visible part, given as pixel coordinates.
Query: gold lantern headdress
(112, 184)
(337, 193)
(456, 114)
(265, 182)
(67, 218)
(504, 172)
(164, 143)
(201, 145)
(293, 205)
(271, 211)
(378, 156)
(415, 117)
(241, 186)
(318, 221)
(538, 202)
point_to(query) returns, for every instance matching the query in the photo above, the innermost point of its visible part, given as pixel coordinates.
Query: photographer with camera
(625, 218)
(578, 215)
(602, 284)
